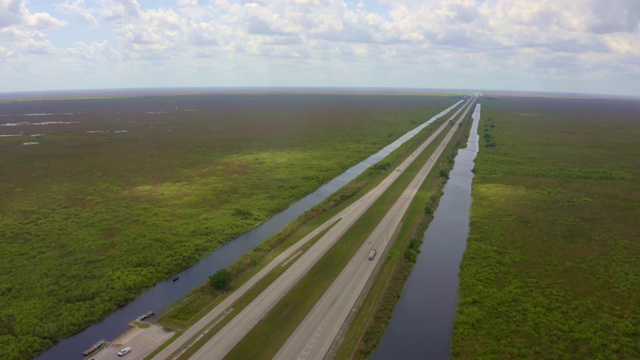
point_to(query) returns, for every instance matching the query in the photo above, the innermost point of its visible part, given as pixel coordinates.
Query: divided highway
(315, 335)
(218, 346)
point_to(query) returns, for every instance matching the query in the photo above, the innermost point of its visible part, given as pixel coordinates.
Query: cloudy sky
(590, 46)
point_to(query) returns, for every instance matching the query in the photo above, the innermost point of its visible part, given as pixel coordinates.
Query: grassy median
(266, 338)
(189, 310)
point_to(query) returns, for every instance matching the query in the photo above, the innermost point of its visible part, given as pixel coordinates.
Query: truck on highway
(372, 254)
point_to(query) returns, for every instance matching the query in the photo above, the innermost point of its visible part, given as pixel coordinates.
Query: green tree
(221, 279)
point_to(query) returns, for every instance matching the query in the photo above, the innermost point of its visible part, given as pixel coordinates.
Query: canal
(167, 292)
(423, 317)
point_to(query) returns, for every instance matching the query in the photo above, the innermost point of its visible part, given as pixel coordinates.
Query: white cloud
(21, 37)
(11, 61)
(609, 16)
(5, 54)
(16, 13)
(24, 32)
(120, 10)
(95, 53)
(413, 40)
(154, 33)
(623, 44)
(13, 34)
(11, 12)
(37, 47)
(44, 21)
(80, 11)
(204, 33)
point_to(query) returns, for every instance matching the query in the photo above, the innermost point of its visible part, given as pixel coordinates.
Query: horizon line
(237, 90)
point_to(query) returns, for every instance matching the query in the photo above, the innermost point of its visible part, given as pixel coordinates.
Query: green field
(552, 266)
(88, 219)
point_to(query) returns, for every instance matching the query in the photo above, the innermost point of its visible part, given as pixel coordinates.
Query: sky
(576, 46)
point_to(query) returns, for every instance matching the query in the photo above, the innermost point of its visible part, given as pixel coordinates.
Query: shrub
(221, 279)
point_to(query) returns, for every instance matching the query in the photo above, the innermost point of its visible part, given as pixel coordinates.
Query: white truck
(124, 351)
(372, 254)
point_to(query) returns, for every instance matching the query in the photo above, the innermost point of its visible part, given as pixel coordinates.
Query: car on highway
(124, 351)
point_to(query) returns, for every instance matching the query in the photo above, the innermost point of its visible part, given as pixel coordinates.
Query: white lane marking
(205, 331)
(291, 258)
(316, 335)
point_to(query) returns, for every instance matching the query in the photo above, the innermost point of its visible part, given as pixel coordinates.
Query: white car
(124, 351)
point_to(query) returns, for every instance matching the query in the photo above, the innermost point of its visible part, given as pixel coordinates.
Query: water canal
(167, 292)
(423, 317)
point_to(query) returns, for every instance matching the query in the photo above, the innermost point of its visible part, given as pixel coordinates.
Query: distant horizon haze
(186, 91)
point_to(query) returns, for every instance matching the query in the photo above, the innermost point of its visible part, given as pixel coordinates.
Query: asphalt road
(315, 335)
(230, 335)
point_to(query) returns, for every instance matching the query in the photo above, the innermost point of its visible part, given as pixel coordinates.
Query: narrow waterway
(168, 292)
(423, 317)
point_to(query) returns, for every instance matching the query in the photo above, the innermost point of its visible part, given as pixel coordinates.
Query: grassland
(93, 215)
(552, 268)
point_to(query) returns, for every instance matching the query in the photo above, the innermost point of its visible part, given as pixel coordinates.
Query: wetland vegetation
(122, 193)
(552, 268)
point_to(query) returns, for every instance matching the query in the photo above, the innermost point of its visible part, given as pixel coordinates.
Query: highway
(218, 346)
(315, 335)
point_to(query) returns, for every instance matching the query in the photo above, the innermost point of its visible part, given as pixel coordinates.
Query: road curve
(315, 335)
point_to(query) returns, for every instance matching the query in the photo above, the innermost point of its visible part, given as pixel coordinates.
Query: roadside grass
(246, 299)
(266, 338)
(376, 311)
(161, 347)
(203, 299)
(252, 262)
(90, 220)
(189, 310)
(551, 269)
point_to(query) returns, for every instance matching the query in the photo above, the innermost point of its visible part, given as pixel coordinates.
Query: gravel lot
(142, 342)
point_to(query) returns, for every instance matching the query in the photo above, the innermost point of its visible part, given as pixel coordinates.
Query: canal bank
(423, 317)
(165, 293)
